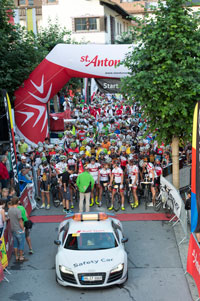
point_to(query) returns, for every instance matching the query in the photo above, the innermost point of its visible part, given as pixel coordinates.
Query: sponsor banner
(193, 260)
(177, 200)
(31, 20)
(11, 137)
(195, 187)
(8, 240)
(1, 272)
(3, 253)
(24, 199)
(61, 64)
(93, 89)
(31, 195)
(108, 85)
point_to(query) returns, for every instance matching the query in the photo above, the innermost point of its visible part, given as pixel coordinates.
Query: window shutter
(102, 24)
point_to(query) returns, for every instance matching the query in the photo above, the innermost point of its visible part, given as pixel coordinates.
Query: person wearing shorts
(27, 230)
(103, 178)
(65, 190)
(132, 171)
(17, 228)
(117, 178)
(44, 172)
(93, 168)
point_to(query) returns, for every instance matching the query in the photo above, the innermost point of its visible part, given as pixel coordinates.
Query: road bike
(55, 191)
(129, 194)
(107, 195)
(147, 191)
(117, 198)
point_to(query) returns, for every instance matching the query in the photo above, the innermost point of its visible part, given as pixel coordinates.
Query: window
(86, 24)
(22, 2)
(30, 2)
(51, 1)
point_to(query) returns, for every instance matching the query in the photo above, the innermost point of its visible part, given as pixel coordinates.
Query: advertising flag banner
(94, 89)
(31, 20)
(193, 262)
(193, 258)
(11, 137)
(195, 187)
(3, 254)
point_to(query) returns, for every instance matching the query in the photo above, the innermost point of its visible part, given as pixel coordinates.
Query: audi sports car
(91, 251)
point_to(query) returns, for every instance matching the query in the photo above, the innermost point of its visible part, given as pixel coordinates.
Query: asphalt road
(155, 269)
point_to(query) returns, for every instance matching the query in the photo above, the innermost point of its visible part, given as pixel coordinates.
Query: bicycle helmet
(92, 159)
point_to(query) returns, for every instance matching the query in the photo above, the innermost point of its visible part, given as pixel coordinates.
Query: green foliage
(165, 69)
(22, 51)
(125, 38)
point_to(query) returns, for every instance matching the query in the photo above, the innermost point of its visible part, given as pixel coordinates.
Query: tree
(18, 56)
(22, 51)
(165, 73)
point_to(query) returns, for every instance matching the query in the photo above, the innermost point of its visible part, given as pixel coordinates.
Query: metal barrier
(178, 207)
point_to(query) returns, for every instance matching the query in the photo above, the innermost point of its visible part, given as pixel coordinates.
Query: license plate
(91, 278)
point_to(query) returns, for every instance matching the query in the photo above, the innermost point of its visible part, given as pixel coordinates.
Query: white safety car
(91, 251)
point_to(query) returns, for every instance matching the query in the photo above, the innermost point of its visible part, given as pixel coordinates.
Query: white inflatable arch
(61, 64)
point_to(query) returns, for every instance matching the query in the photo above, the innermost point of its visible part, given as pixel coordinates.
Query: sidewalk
(183, 251)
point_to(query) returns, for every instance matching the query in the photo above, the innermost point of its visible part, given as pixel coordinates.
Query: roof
(115, 7)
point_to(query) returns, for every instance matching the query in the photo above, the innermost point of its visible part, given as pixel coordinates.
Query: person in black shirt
(65, 190)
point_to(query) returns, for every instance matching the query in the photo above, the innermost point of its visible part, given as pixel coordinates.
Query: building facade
(91, 21)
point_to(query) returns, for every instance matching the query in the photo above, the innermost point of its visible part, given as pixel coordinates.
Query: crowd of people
(107, 142)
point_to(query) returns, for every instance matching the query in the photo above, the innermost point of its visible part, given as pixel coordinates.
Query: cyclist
(148, 168)
(93, 168)
(44, 174)
(103, 177)
(132, 171)
(117, 178)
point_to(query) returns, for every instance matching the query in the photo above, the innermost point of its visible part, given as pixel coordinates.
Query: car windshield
(90, 241)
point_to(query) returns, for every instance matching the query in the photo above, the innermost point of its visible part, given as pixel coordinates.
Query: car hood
(91, 261)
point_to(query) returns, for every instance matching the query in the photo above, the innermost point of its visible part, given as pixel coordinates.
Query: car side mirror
(57, 242)
(124, 239)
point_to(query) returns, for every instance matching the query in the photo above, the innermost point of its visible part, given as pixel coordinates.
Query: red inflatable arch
(61, 64)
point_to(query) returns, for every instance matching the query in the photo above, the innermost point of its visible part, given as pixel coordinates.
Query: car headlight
(118, 268)
(65, 270)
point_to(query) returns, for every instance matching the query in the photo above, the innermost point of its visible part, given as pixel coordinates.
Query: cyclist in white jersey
(132, 171)
(117, 178)
(93, 168)
(152, 175)
(103, 177)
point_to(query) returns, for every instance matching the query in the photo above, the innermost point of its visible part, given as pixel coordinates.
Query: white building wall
(66, 11)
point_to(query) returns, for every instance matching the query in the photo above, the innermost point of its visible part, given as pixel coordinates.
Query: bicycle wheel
(117, 201)
(56, 198)
(146, 197)
(158, 203)
(77, 196)
(131, 198)
(108, 199)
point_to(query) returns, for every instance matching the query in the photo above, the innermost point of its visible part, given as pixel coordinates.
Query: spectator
(27, 228)
(4, 175)
(17, 228)
(65, 190)
(22, 146)
(85, 183)
(5, 198)
(2, 216)
(23, 181)
(22, 164)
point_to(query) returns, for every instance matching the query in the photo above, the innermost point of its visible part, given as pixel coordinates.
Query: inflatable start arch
(61, 64)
